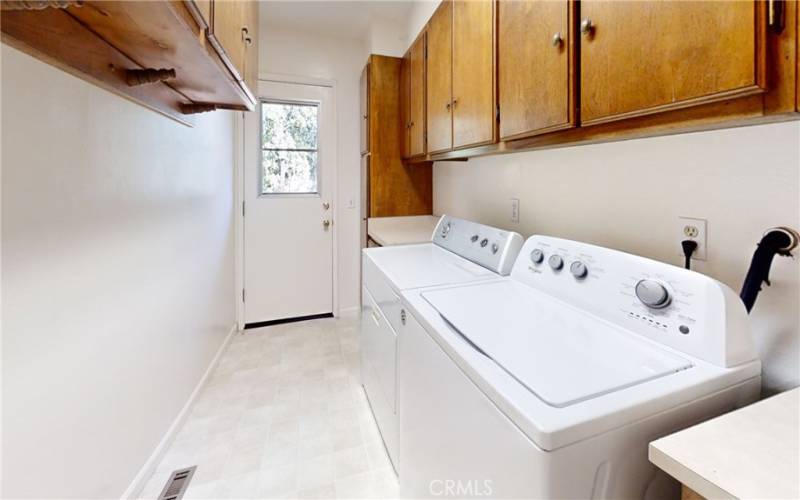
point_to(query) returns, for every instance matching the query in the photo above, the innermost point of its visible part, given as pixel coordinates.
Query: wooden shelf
(101, 41)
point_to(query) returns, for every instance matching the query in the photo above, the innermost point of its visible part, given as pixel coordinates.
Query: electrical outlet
(690, 228)
(515, 210)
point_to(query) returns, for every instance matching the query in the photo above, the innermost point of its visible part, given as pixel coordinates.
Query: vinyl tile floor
(283, 415)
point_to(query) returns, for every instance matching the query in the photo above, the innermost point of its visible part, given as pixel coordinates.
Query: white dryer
(552, 382)
(460, 252)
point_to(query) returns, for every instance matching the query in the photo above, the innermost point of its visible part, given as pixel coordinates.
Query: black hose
(777, 241)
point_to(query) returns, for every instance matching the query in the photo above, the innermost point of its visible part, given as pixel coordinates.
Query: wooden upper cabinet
(416, 108)
(536, 67)
(405, 104)
(364, 108)
(228, 26)
(639, 58)
(251, 46)
(160, 53)
(474, 113)
(439, 79)
(201, 11)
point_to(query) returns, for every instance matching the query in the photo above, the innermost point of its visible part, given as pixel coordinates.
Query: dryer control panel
(685, 310)
(490, 247)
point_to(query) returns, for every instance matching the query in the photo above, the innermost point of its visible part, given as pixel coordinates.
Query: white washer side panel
(454, 441)
(452, 436)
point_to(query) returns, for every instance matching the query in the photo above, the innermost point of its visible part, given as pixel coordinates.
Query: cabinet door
(439, 80)
(251, 46)
(364, 108)
(474, 118)
(639, 58)
(535, 67)
(405, 105)
(417, 98)
(229, 19)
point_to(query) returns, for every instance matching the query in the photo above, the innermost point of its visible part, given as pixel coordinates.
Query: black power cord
(689, 246)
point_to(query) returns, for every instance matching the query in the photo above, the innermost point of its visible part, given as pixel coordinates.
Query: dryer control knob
(556, 262)
(537, 256)
(578, 269)
(653, 294)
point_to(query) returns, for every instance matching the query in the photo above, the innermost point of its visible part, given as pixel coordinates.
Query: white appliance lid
(559, 353)
(423, 265)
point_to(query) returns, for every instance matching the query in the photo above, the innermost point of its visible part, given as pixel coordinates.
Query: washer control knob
(556, 262)
(537, 256)
(495, 248)
(578, 269)
(445, 229)
(653, 294)
(474, 238)
(484, 242)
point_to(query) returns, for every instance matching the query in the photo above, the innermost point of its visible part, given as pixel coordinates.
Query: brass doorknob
(586, 27)
(557, 39)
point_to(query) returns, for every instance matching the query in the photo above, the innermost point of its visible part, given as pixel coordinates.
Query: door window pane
(289, 148)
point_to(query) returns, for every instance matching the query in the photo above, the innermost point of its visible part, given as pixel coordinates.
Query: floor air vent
(177, 484)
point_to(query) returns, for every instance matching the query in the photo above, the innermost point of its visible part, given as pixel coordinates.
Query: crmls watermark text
(460, 488)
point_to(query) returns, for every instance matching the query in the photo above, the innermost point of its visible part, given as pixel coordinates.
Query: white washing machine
(551, 383)
(460, 252)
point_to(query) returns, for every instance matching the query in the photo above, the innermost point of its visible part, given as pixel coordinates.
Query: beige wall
(117, 277)
(292, 53)
(628, 195)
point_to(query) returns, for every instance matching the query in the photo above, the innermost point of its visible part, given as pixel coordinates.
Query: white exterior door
(289, 175)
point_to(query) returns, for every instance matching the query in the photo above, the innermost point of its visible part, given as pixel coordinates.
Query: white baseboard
(349, 311)
(138, 483)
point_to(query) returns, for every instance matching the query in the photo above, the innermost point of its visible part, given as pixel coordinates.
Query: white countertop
(407, 230)
(753, 452)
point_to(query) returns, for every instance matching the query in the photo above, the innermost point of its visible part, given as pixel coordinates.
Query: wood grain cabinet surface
(536, 67)
(172, 56)
(412, 99)
(646, 57)
(363, 108)
(568, 71)
(439, 85)
(474, 105)
(393, 188)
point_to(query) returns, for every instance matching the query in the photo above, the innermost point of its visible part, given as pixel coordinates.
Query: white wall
(305, 54)
(628, 195)
(386, 37)
(421, 12)
(117, 277)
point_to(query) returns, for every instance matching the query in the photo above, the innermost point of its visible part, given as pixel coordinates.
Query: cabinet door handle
(557, 39)
(587, 27)
(455, 101)
(403, 316)
(447, 106)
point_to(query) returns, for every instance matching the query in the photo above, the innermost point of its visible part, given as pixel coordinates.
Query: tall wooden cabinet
(461, 106)
(644, 57)
(391, 188)
(536, 67)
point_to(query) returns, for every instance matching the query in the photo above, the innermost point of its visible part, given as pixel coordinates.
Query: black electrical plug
(689, 246)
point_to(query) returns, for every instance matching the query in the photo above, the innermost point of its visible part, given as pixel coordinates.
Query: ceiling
(341, 19)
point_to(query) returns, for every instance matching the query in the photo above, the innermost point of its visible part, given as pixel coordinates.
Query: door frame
(239, 187)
